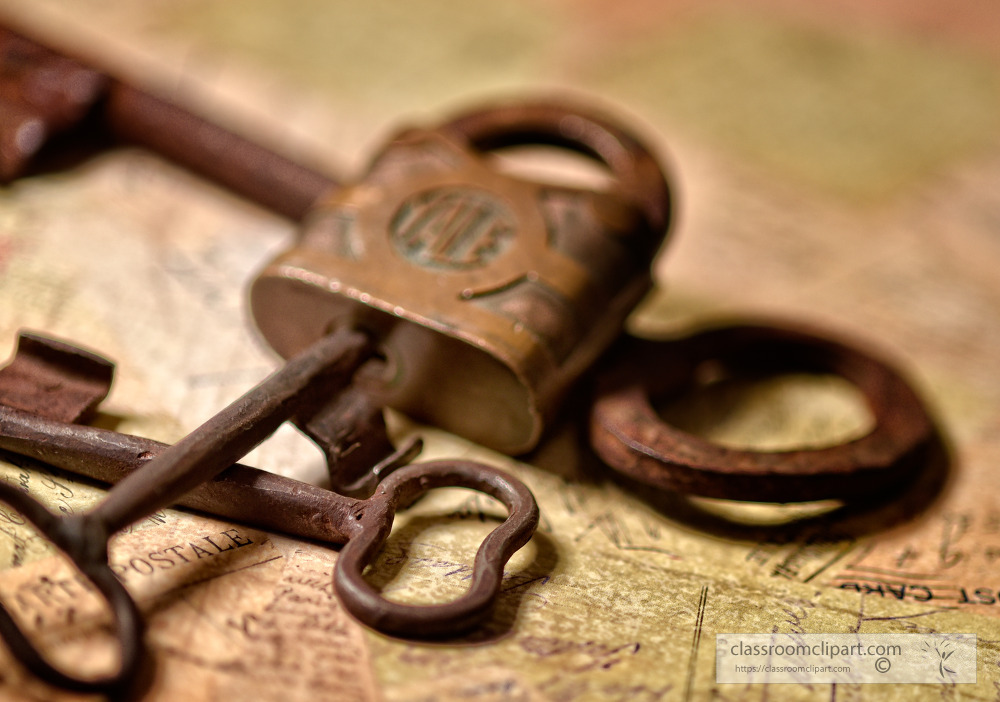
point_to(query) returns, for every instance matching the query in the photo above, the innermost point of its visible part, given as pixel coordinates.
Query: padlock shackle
(572, 127)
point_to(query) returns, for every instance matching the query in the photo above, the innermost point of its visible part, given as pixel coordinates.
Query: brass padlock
(489, 293)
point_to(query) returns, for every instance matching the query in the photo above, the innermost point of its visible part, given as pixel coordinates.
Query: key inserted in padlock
(489, 293)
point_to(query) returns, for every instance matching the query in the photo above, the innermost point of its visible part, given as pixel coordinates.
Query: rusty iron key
(631, 437)
(64, 381)
(49, 385)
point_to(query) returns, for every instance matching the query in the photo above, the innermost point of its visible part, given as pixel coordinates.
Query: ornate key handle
(374, 520)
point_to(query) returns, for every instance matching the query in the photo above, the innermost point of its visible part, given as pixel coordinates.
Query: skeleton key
(60, 383)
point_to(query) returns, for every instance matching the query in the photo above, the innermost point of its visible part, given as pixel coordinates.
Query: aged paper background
(839, 166)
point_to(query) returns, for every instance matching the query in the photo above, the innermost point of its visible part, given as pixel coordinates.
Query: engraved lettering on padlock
(452, 227)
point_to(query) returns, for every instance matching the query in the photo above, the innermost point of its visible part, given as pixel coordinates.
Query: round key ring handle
(74, 537)
(633, 439)
(374, 522)
(638, 174)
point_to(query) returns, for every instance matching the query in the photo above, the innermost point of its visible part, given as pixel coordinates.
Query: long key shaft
(313, 376)
(248, 495)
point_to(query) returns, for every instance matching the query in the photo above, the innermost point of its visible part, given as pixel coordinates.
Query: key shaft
(241, 493)
(317, 374)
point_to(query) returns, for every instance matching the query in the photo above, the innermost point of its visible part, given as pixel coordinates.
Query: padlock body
(490, 294)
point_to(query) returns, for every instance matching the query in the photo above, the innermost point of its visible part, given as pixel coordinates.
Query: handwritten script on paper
(620, 594)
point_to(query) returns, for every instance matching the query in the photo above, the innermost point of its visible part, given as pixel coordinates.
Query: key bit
(352, 434)
(55, 379)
